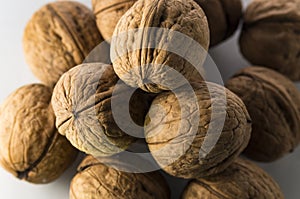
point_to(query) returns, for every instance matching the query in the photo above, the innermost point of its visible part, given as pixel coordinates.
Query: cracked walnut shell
(243, 180)
(270, 35)
(273, 103)
(30, 146)
(108, 13)
(196, 136)
(58, 37)
(98, 180)
(84, 100)
(156, 42)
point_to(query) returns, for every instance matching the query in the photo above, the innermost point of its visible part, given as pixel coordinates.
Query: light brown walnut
(58, 37)
(182, 144)
(108, 13)
(271, 34)
(82, 102)
(30, 146)
(273, 103)
(97, 180)
(155, 34)
(243, 180)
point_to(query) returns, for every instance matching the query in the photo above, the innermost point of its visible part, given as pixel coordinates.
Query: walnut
(58, 37)
(187, 154)
(270, 35)
(223, 18)
(273, 103)
(97, 180)
(108, 13)
(242, 179)
(30, 146)
(82, 104)
(145, 38)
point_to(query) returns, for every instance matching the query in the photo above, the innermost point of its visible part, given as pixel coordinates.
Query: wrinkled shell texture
(273, 103)
(223, 18)
(243, 180)
(30, 146)
(172, 142)
(139, 58)
(82, 104)
(108, 13)
(58, 37)
(271, 35)
(96, 180)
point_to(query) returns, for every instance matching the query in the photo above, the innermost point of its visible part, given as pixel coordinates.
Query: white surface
(14, 73)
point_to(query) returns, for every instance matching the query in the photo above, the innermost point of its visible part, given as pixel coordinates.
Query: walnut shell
(270, 35)
(108, 13)
(169, 130)
(146, 36)
(243, 180)
(30, 146)
(82, 104)
(273, 103)
(223, 18)
(97, 180)
(58, 37)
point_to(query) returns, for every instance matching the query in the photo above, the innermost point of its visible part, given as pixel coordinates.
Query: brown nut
(273, 103)
(97, 180)
(189, 143)
(108, 13)
(30, 146)
(270, 35)
(155, 38)
(82, 102)
(223, 18)
(58, 37)
(243, 180)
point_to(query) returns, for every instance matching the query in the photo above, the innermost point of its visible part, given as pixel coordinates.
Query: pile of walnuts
(148, 93)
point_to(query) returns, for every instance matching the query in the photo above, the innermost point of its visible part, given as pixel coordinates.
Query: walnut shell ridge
(82, 103)
(108, 13)
(169, 130)
(270, 36)
(273, 103)
(155, 38)
(223, 18)
(58, 37)
(30, 146)
(243, 179)
(97, 180)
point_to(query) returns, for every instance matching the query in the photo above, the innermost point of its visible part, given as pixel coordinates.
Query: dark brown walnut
(223, 18)
(82, 102)
(197, 136)
(97, 180)
(243, 180)
(273, 103)
(30, 146)
(108, 13)
(58, 37)
(270, 35)
(155, 38)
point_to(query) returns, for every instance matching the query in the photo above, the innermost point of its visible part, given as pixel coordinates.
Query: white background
(14, 73)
